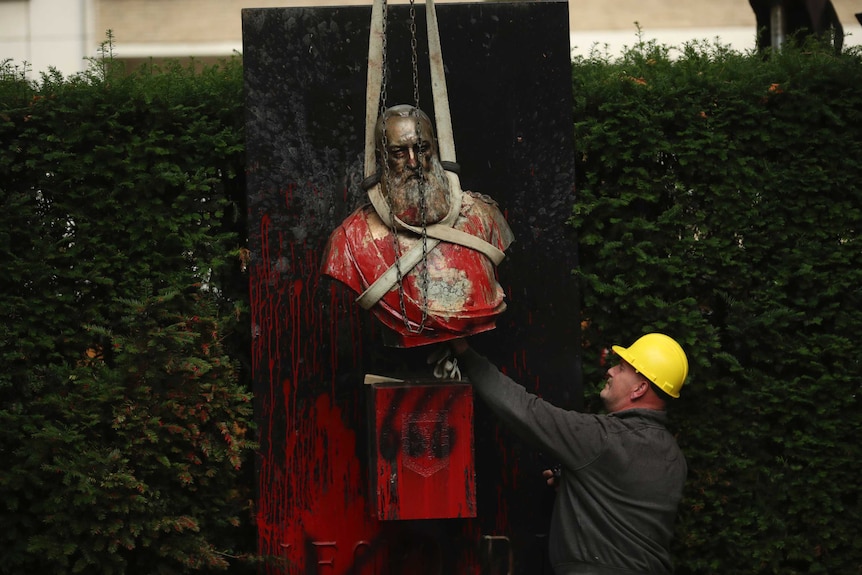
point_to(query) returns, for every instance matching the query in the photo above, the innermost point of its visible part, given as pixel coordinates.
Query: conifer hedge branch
(126, 424)
(719, 201)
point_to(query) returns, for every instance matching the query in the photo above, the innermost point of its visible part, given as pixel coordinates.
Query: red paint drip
(316, 500)
(312, 510)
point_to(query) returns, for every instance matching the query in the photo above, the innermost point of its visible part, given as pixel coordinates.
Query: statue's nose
(412, 157)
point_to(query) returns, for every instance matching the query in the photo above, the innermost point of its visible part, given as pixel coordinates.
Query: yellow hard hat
(658, 358)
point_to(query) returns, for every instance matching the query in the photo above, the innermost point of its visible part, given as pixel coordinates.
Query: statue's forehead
(402, 129)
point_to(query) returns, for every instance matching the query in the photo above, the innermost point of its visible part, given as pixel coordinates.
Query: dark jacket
(623, 476)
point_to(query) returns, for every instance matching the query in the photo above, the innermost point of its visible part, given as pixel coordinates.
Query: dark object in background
(795, 20)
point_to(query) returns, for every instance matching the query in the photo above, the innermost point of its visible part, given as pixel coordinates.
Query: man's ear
(640, 389)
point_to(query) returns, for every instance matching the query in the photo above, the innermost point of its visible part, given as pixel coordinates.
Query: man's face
(620, 381)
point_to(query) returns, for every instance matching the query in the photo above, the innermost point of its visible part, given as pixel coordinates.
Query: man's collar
(655, 414)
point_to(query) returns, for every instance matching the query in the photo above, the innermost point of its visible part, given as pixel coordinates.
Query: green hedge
(720, 201)
(123, 418)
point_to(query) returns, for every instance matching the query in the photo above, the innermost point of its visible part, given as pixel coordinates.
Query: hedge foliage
(124, 422)
(720, 201)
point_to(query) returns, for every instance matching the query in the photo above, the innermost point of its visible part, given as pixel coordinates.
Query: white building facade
(63, 34)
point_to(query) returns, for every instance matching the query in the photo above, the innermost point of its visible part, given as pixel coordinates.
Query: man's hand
(445, 363)
(552, 476)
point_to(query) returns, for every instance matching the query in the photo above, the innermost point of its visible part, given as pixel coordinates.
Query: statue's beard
(405, 190)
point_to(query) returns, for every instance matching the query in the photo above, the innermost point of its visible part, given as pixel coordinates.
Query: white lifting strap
(436, 233)
(374, 83)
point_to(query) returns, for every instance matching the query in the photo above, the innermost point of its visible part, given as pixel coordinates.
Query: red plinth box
(421, 445)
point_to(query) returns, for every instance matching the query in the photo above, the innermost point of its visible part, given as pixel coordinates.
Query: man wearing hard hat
(622, 473)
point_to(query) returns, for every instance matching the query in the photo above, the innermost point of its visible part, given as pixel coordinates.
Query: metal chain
(414, 59)
(383, 63)
(423, 204)
(385, 173)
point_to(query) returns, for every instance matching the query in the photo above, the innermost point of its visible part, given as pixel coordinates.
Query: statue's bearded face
(412, 171)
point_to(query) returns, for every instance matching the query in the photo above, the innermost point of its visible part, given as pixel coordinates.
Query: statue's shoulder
(484, 198)
(360, 214)
(357, 224)
(484, 208)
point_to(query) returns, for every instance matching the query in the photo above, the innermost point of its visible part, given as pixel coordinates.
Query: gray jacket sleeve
(573, 438)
